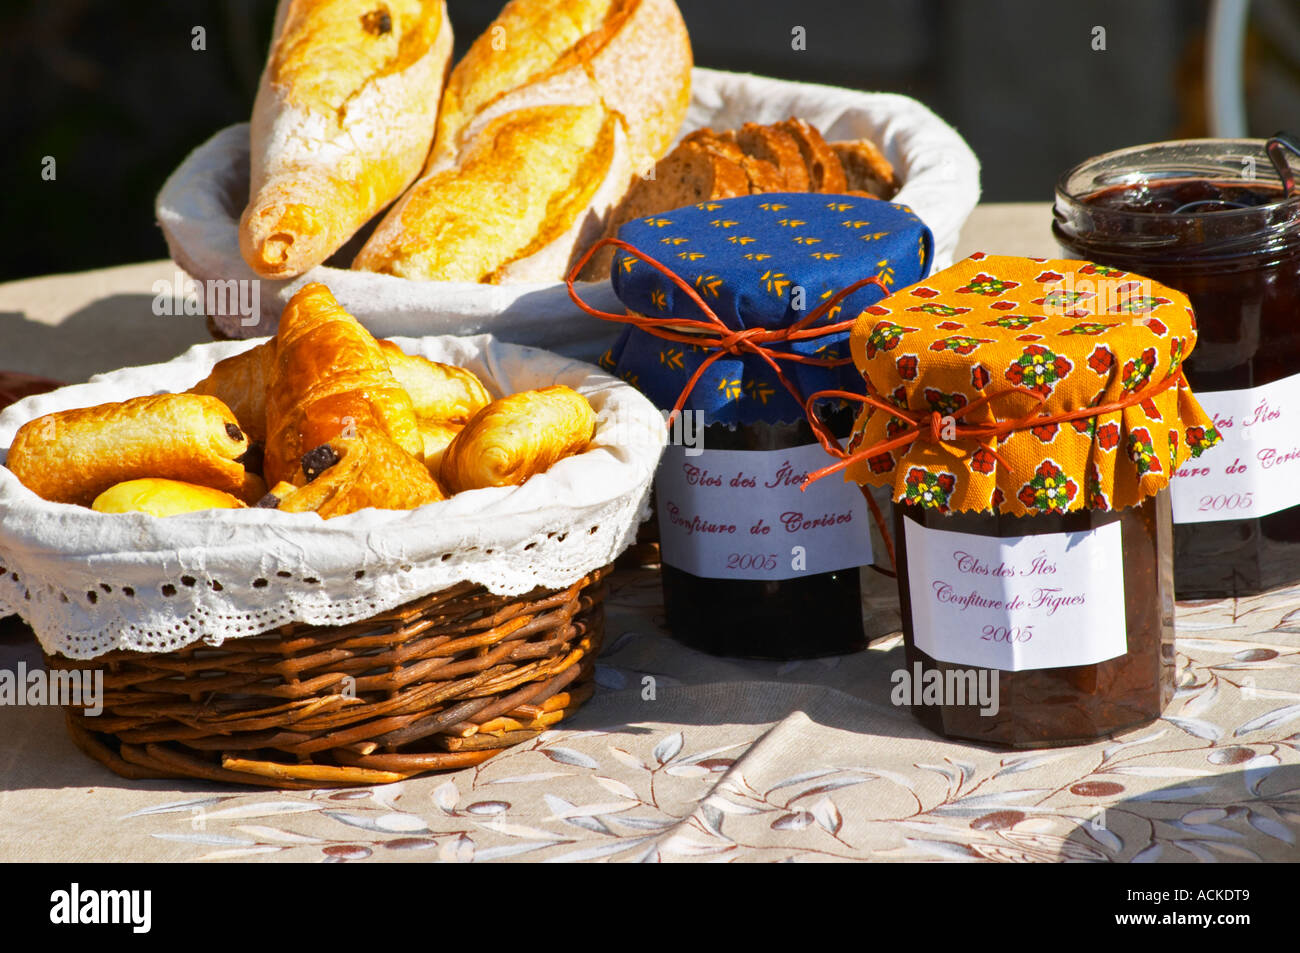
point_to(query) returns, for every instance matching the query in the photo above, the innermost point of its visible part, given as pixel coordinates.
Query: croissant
(439, 392)
(351, 473)
(162, 498)
(437, 438)
(74, 455)
(241, 383)
(330, 379)
(342, 123)
(517, 436)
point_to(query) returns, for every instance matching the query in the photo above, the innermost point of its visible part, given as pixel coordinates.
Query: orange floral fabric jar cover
(994, 339)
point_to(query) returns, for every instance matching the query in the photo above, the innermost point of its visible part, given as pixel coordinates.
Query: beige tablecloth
(680, 756)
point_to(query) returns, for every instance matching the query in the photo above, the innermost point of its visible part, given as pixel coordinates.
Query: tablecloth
(682, 756)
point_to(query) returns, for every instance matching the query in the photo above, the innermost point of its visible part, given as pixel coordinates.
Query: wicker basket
(443, 682)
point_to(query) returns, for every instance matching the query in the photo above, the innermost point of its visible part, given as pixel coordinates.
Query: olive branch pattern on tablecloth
(1217, 779)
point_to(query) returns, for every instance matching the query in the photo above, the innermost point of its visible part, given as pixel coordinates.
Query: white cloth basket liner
(200, 204)
(89, 583)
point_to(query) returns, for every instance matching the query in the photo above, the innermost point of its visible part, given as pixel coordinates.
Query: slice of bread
(761, 175)
(774, 145)
(691, 173)
(866, 169)
(789, 156)
(825, 173)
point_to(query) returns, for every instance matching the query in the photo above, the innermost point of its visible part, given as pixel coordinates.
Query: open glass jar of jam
(1027, 429)
(740, 309)
(1210, 218)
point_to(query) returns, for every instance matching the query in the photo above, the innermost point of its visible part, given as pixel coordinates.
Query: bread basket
(200, 204)
(280, 649)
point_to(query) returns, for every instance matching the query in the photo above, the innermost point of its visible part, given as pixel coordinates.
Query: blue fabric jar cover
(759, 261)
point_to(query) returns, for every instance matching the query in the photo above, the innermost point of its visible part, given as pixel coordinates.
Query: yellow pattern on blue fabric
(772, 281)
(710, 284)
(730, 388)
(758, 390)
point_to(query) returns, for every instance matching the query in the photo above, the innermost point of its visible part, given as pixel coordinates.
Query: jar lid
(1026, 386)
(758, 263)
(764, 261)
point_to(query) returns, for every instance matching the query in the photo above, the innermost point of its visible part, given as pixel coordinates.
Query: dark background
(114, 91)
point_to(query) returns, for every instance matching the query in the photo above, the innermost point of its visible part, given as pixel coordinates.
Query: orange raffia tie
(928, 427)
(713, 334)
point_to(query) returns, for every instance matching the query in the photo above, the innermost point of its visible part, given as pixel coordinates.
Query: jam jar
(1027, 429)
(739, 309)
(790, 614)
(1210, 218)
(1073, 703)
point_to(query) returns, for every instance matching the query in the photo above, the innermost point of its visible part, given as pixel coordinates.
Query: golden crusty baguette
(439, 392)
(529, 174)
(825, 171)
(343, 122)
(162, 498)
(549, 116)
(515, 437)
(632, 55)
(72, 456)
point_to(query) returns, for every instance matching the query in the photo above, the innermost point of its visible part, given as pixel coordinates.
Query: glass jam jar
(1027, 428)
(1209, 218)
(800, 615)
(740, 308)
(1066, 704)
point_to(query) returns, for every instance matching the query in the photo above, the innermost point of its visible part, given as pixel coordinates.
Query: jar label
(1017, 602)
(1256, 470)
(739, 514)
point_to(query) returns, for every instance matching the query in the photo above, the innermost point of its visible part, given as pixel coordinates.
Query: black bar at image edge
(329, 902)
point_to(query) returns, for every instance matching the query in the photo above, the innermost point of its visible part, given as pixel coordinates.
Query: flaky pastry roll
(163, 498)
(517, 436)
(74, 455)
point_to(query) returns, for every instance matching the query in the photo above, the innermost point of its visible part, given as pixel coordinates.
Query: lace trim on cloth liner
(88, 584)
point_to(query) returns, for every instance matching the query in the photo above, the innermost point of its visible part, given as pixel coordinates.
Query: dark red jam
(805, 617)
(1232, 245)
(1069, 705)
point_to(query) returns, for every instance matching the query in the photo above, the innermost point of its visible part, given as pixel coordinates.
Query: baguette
(343, 121)
(544, 124)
